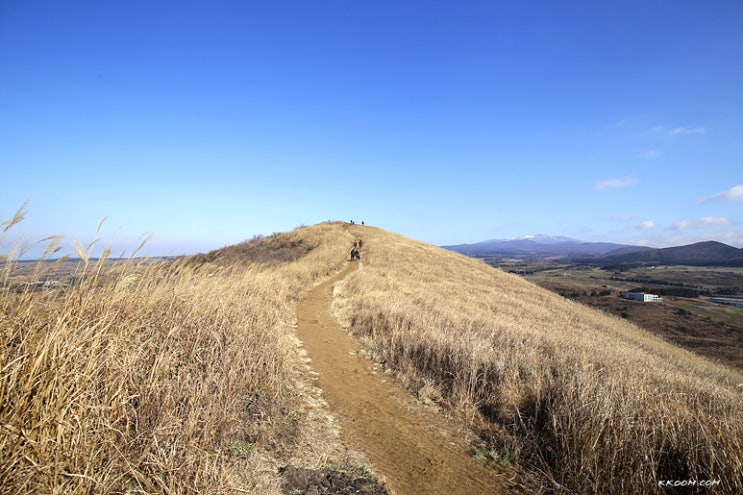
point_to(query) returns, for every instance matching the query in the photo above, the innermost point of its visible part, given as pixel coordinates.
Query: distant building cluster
(642, 296)
(729, 301)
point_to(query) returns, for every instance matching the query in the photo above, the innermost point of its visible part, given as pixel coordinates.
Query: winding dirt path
(414, 450)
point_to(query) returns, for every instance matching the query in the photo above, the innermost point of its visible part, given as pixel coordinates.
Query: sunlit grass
(592, 402)
(146, 376)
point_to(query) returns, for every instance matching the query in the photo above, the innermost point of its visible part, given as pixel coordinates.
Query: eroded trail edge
(414, 450)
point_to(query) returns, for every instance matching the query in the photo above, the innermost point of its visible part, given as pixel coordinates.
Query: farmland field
(693, 322)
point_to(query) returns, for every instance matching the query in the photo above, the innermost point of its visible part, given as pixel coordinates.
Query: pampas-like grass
(147, 376)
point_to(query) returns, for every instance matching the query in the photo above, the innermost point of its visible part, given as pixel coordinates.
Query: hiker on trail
(355, 244)
(354, 253)
(361, 243)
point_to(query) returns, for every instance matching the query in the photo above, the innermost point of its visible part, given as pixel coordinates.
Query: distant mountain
(540, 246)
(707, 253)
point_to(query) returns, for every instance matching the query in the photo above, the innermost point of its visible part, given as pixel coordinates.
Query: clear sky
(204, 123)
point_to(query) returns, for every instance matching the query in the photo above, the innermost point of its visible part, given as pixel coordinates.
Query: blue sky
(205, 123)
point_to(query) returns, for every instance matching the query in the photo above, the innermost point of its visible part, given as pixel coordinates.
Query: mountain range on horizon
(542, 246)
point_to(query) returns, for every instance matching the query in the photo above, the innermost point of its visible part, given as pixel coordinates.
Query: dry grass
(274, 249)
(186, 376)
(160, 377)
(596, 405)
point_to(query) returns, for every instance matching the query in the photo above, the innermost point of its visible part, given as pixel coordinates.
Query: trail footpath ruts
(414, 450)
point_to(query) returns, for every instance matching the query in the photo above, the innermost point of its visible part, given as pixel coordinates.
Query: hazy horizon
(121, 251)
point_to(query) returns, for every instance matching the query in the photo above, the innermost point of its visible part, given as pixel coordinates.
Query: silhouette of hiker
(354, 254)
(361, 243)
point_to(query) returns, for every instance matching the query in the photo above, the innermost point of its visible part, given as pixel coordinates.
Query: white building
(642, 296)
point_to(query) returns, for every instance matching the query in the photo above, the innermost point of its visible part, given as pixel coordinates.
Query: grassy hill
(185, 376)
(594, 403)
(164, 377)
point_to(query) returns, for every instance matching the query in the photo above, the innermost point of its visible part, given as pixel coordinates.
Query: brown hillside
(166, 377)
(594, 403)
(188, 377)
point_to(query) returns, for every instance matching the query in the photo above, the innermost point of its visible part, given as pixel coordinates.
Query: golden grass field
(593, 403)
(186, 376)
(161, 377)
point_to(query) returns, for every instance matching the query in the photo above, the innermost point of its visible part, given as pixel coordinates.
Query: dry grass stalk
(155, 377)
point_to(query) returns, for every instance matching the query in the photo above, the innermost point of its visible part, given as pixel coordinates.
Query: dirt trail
(412, 448)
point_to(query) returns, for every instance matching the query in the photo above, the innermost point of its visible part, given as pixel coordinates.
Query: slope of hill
(596, 403)
(185, 377)
(167, 377)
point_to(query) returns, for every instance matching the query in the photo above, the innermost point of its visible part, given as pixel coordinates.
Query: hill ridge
(186, 375)
(520, 363)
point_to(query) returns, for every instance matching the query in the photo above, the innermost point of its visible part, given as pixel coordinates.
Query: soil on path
(412, 448)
